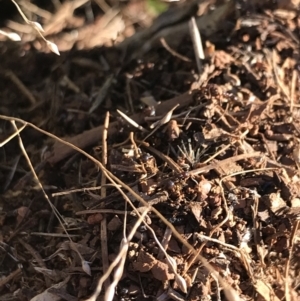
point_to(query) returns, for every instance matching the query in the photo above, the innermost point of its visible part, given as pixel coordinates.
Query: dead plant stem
(103, 225)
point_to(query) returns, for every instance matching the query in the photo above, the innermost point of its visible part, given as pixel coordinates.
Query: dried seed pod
(173, 130)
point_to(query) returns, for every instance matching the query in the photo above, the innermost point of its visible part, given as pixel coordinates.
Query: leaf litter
(193, 195)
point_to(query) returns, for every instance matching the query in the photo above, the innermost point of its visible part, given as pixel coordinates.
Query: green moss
(156, 7)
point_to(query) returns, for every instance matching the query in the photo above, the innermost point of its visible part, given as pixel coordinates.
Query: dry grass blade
(265, 290)
(132, 122)
(13, 135)
(203, 169)
(218, 287)
(172, 164)
(19, 84)
(156, 125)
(197, 43)
(227, 246)
(165, 241)
(76, 190)
(287, 290)
(257, 238)
(38, 28)
(36, 177)
(292, 92)
(36, 256)
(56, 212)
(103, 226)
(227, 146)
(11, 174)
(182, 57)
(171, 262)
(163, 120)
(12, 275)
(118, 261)
(101, 94)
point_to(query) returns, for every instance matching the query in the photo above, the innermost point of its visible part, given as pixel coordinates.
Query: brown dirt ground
(188, 187)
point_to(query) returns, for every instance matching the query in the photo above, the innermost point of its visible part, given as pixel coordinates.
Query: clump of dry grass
(35, 25)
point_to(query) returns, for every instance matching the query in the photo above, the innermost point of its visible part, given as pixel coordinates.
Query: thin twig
(227, 146)
(287, 266)
(56, 212)
(9, 74)
(173, 52)
(94, 211)
(12, 275)
(172, 164)
(103, 227)
(293, 90)
(38, 28)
